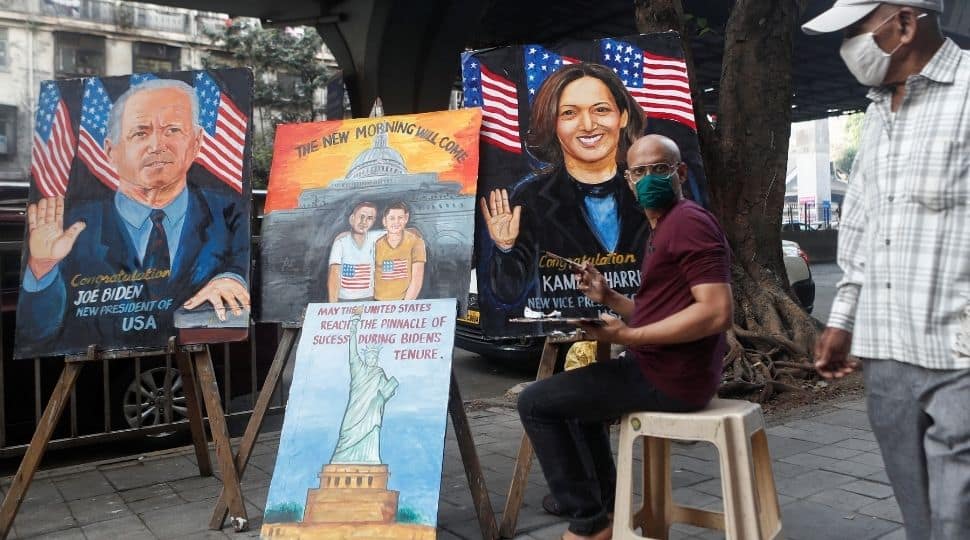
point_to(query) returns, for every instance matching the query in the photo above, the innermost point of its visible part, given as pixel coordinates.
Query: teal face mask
(656, 192)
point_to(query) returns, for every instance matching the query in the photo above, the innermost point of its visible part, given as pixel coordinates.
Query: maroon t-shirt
(687, 248)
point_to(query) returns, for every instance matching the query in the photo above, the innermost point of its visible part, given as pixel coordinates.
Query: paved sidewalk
(828, 472)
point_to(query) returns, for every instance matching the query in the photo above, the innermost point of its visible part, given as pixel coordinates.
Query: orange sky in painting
(292, 173)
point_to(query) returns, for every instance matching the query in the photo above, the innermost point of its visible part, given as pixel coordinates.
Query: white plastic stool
(736, 428)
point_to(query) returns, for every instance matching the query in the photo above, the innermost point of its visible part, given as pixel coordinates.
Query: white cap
(845, 13)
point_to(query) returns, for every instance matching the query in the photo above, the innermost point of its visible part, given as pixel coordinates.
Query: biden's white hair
(118, 108)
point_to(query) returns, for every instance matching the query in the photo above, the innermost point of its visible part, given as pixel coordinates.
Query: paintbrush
(573, 264)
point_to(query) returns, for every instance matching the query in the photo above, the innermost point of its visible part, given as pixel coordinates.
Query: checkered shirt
(904, 238)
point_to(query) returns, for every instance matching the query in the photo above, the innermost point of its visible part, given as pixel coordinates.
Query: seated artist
(673, 328)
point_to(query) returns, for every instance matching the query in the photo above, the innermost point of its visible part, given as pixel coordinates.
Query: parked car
(799, 273)
(469, 336)
(796, 226)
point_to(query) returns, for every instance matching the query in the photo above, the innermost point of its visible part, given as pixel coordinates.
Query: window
(288, 84)
(8, 132)
(154, 57)
(4, 59)
(219, 59)
(78, 55)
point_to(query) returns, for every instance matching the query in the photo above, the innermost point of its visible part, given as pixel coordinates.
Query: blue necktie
(156, 253)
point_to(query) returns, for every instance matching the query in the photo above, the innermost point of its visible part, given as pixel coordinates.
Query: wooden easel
(239, 462)
(523, 462)
(191, 360)
(456, 409)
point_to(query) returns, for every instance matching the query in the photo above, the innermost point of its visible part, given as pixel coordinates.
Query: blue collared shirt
(135, 216)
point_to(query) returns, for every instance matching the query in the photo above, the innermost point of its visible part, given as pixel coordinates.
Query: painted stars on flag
(95, 109)
(52, 150)
(539, 64)
(224, 132)
(498, 98)
(658, 83)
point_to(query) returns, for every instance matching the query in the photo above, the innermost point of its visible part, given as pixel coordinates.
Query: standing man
(401, 256)
(904, 246)
(351, 275)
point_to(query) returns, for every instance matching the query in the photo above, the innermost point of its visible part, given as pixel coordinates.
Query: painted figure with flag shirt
(400, 257)
(351, 273)
(158, 244)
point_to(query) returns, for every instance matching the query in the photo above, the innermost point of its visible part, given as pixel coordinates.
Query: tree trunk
(745, 159)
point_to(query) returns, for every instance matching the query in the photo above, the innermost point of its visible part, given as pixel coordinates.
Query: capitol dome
(379, 160)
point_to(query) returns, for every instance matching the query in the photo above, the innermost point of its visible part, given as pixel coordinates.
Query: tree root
(769, 346)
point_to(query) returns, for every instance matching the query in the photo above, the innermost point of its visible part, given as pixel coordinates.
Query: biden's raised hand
(47, 240)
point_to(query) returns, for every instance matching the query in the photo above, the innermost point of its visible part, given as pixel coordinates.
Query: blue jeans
(919, 417)
(566, 418)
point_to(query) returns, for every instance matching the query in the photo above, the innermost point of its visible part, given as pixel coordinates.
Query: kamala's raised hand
(501, 219)
(47, 240)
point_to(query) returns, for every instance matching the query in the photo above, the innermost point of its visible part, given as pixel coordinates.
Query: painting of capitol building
(296, 242)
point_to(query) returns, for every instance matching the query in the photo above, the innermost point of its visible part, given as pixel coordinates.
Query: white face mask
(865, 59)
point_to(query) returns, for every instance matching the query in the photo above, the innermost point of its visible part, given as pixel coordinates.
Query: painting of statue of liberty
(363, 439)
(370, 389)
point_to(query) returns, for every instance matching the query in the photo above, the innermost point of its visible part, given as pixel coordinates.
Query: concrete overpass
(407, 51)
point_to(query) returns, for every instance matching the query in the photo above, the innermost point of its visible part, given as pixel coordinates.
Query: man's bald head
(653, 146)
(654, 149)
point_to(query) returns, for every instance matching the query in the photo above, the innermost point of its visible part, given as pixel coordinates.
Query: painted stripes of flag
(224, 132)
(498, 99)
(658, 83)
(53, 144)
(95, 108)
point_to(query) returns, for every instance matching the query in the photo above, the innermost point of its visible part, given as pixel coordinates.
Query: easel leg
(469, 457)
(194, 411)
(523, 462)
(220, 435)
(38, 444)
(256, 420)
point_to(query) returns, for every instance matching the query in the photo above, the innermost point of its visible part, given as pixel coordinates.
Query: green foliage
(410, 515)
(287, 71)
(853, 132)
(699, 24)
(289, 512)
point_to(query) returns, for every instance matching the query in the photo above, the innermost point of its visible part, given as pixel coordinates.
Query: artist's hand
(593, 284)
(502, 220)
(611, 332)
(48, 242)
(832, 354)
(223, 293)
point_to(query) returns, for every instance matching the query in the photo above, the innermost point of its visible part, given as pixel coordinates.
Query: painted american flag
(394, 269)
(355, 276)
(541, 62)
(225, 128)
(95, 108)
(658, 83)
(498, 98)
(53, 147)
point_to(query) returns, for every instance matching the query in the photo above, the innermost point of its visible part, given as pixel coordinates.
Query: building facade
(57, 39)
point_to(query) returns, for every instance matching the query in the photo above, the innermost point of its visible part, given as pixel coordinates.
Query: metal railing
(110, 401)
